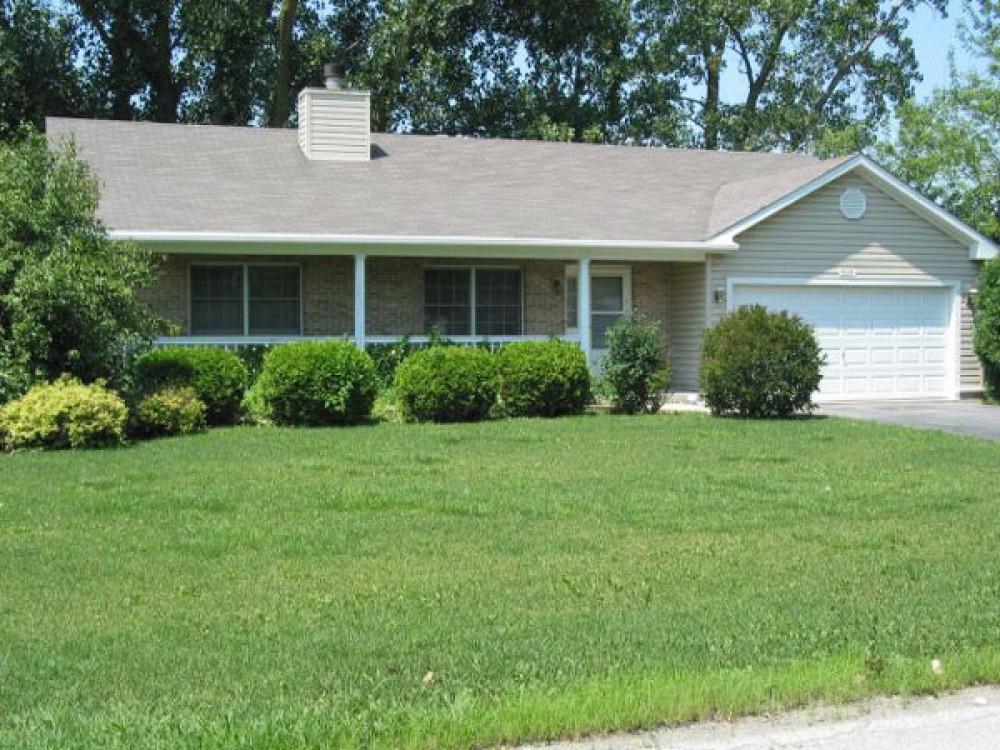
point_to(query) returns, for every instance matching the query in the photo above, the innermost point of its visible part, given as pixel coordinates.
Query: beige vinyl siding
(812, 240)
(335, 125)
(687, 322)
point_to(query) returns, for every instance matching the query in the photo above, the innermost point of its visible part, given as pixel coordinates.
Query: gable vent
(853, 203)
(334, 122)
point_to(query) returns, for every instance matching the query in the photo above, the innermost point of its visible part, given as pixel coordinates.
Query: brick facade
(395, 292)
(650, 296)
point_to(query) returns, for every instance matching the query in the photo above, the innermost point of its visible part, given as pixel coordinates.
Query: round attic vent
(853, 203)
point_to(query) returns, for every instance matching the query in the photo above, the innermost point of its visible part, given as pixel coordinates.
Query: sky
(933, 38)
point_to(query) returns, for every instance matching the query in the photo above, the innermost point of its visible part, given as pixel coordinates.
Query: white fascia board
(980, 247)
(178, 241)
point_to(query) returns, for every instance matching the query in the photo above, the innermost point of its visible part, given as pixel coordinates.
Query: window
(610, 299)
(473, 301)
(217, 300)
(245, 300)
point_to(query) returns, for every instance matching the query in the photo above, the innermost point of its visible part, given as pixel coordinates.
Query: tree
(949, 146)
(806, 65)
(68, 295)
(130, 48)
(37, 77)
(987, 331)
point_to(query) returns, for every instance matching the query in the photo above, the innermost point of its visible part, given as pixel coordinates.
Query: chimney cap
(331, 76)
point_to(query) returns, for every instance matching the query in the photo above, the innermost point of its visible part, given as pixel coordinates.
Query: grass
(458, 586)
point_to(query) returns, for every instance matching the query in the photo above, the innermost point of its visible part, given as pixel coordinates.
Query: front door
(610, 299)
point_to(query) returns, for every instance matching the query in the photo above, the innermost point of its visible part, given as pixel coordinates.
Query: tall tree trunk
(165, 94)
(281, 103)
(710, 112)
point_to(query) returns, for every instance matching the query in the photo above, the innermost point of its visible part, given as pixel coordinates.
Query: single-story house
(272, 235)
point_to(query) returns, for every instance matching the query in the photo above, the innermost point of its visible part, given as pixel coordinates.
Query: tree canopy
(713, 73)
(949, 146)
(68, 295)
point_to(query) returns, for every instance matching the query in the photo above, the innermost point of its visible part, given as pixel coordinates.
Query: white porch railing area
(238, 342)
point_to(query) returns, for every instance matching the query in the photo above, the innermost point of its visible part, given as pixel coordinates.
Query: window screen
(217, 300)
(274, 301)
(447, 306)
(498, 302)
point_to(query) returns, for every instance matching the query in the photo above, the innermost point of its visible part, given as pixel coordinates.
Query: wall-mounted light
(556, 286)
(970, 298)
(719, 295)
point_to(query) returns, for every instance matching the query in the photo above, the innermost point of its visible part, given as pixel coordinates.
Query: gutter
(251, 238)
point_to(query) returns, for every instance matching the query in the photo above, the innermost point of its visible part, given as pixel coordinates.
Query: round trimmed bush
(760, 364)
(64, 414)
(447, 384)
(216, 375)
(543, 378)
(318, 383)
(172, 411)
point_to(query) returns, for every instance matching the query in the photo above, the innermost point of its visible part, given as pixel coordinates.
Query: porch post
(359, 300)
(583, 306)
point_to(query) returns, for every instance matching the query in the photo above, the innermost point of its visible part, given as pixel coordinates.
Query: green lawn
(282, 588)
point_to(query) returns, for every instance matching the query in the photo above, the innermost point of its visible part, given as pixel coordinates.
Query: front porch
(235, 301)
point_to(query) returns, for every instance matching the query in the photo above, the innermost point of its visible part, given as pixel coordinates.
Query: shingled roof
(190, 178)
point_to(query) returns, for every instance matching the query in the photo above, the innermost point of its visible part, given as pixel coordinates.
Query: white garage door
(880, 342)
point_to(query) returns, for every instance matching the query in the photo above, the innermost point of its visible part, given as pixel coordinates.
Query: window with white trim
(473, 301)
(246, 299)
(610, 299)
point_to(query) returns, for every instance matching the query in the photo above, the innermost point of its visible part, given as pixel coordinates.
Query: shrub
(543, 378)
(987, 329)
(254, 409)
(69, 295)
(447, 384)
(217, 376)
(252, 357)
(634, 371)
(318, 383)
(64, 414)
(172, 411)
(760, 364)
(388, 357)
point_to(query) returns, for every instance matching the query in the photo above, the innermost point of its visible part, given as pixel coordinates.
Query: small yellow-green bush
(171, 411)
(217, 376)
(64, 414)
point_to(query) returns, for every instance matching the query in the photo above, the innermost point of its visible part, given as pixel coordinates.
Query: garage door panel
(854, 357)
(879, 342)
(934, 356)
(884, 385)
(883, 356)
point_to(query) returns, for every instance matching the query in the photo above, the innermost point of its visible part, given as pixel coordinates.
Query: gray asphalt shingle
(194, 178)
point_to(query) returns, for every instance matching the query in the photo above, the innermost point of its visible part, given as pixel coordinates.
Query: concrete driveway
(969, 720)
(961, 417)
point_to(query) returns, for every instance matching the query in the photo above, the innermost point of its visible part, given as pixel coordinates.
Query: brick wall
(395, 303)
(328, 296)
(327, 291)
(395, 292)
(168, 295)
(650, 295)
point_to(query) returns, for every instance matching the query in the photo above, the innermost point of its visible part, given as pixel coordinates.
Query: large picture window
(473, 301)
(245, 300)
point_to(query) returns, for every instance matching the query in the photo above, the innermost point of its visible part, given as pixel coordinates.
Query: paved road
(961, 417)
(969, 720)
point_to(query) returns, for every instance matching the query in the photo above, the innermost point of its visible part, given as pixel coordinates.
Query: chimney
(334, 122)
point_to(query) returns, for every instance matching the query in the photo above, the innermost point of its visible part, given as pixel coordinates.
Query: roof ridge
(808, 168)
